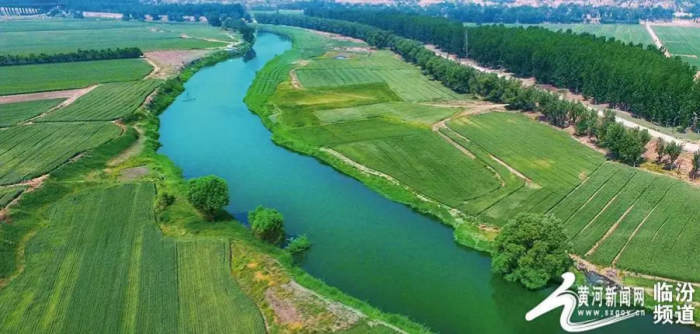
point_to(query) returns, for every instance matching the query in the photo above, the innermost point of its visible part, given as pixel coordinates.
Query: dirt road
(687, 146)
(70, 94)
(656, 39)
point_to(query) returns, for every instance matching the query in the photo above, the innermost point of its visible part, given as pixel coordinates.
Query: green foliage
(299, 244)
(81, 55)
(695, 162)
(209, 194)
(267, 225)
(47, 77)
(105, 103)
(164, 200)
(660, 149)
(531, 249)
(673, 150)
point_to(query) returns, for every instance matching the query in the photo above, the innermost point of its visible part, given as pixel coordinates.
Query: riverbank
(267, 274)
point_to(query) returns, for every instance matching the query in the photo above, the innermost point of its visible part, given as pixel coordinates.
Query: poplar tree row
(629, 77)
(80, 55)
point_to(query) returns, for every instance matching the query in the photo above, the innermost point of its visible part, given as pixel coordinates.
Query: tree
(696, 164)
(660, 149)
(267, 225)
(673, 150)
(208, 194)
(299, 244)
(531, 249)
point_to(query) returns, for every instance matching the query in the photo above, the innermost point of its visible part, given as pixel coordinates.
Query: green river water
(364, 244)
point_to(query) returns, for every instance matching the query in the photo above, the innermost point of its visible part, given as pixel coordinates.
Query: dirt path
(32, 184)
(67, 102)
(687, 145)
(70, 94)
(479, 109)
(156, 73)
(295, 80)
(130, 152)
(656, 39)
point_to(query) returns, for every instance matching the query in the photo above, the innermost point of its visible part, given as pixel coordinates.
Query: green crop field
(426, 163)
(102, 265)
(348, 132)
(297, 106)
(210, 299)
(48, 77)
(635, 33)
(554, 162)
(7, 194)
(681, 41)
(29, 151)
(105, 103)
(380, 66)
(13, 113)
(641, 221)
(400, 110)
(62, 36)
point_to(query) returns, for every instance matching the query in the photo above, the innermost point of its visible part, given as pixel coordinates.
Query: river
(364, 244)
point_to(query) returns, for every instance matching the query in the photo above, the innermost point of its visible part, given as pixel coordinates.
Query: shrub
(531, 249)
(267, 225)
(208, 194)
(164, 200)
(299, 244)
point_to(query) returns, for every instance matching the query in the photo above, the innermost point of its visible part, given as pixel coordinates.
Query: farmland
(47, 77)
(554, 163)
(380, 66)
(7, 194)
(132, 283)
(635, 220)
(13, 113)
(635, 33)
(426, 163)
(29, 151)
(105, 103)
(219, 305)
(400, 110)
(62, 36)
(681, 41)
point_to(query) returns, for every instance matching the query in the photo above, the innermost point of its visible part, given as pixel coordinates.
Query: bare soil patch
(134, 173)
(295, 80)
(70, 94)
(167, 63)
